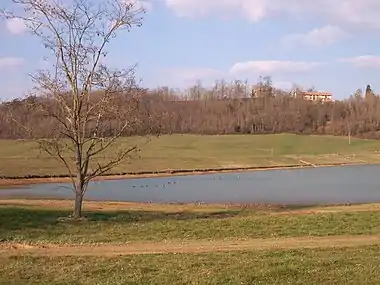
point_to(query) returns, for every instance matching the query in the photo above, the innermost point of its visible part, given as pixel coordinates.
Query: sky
(330, 45)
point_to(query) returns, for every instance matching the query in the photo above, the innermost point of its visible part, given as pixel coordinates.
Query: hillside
(20, 158)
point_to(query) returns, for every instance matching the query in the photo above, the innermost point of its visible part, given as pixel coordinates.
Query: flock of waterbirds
(173, 182)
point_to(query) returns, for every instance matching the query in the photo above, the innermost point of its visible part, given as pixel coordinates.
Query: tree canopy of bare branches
(80, 93)
(223, 109)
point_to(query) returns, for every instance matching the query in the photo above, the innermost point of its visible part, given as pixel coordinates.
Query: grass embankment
(150, 223)
(188, 152)
(209, 244)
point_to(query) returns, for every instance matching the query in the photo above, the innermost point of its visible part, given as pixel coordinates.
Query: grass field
(150, 224)
(346, 266)
(128, 243)
(20, 158)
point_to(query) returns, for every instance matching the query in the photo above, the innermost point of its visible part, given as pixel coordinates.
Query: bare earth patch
(169, 208)
(14, 249)
(112, 206)
(331, 209)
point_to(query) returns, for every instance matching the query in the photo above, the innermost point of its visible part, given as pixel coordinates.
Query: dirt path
(175, 208)
(188, 247)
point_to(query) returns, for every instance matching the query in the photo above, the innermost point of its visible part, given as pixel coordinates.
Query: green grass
(20, 158)
(355, 266)
(37, 222)
(35, 225)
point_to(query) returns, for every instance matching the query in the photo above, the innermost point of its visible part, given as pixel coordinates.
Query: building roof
(316, 93)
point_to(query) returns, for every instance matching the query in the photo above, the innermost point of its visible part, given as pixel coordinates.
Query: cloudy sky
(332, 45)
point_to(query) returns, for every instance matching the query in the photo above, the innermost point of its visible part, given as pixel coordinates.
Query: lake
(321, 185)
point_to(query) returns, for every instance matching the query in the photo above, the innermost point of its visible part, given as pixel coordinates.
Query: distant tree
(368, 92)
(77, 33)
(311, 89)
(268, 86)
(267, 80)
(358, 92)
(263, 88)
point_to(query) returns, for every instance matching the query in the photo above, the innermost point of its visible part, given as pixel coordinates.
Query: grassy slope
(18, 158)
(356, 266)
(40, 224)
(36, 221)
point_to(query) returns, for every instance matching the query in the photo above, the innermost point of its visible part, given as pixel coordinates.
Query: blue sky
(332, 45)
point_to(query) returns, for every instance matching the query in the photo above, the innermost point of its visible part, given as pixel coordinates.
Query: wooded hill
(200, 110)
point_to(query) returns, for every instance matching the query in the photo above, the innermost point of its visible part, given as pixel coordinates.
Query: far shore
(14, 182)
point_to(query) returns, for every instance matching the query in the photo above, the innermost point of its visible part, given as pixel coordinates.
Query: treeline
(223, 109)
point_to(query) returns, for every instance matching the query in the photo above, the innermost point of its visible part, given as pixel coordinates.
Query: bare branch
(104, 168)
(54, 148)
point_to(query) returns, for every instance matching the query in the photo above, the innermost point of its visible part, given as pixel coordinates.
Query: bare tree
(92, 105)
(368, 91)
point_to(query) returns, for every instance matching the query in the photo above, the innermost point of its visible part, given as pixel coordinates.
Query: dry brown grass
(190, 207)
(113, 206)
(108, 250)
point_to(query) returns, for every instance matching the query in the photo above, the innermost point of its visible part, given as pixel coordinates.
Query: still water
(322, 185)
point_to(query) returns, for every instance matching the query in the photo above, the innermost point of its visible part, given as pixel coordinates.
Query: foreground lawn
(20, 158)
(313, 266)
(38, 225)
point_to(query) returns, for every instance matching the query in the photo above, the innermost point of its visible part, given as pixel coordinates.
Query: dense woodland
(223, 109)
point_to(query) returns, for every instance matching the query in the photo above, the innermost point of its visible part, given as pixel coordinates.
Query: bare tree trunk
(78, 201)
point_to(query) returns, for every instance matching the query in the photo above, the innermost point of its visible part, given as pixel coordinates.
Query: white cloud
(351, 12)
(255, 10)
(10, 62)
(325, 36)
(363, 61)
(16, 26)
(269, 67)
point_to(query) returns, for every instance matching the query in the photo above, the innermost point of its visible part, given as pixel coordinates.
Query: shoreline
(18, 181)
(273, 209)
